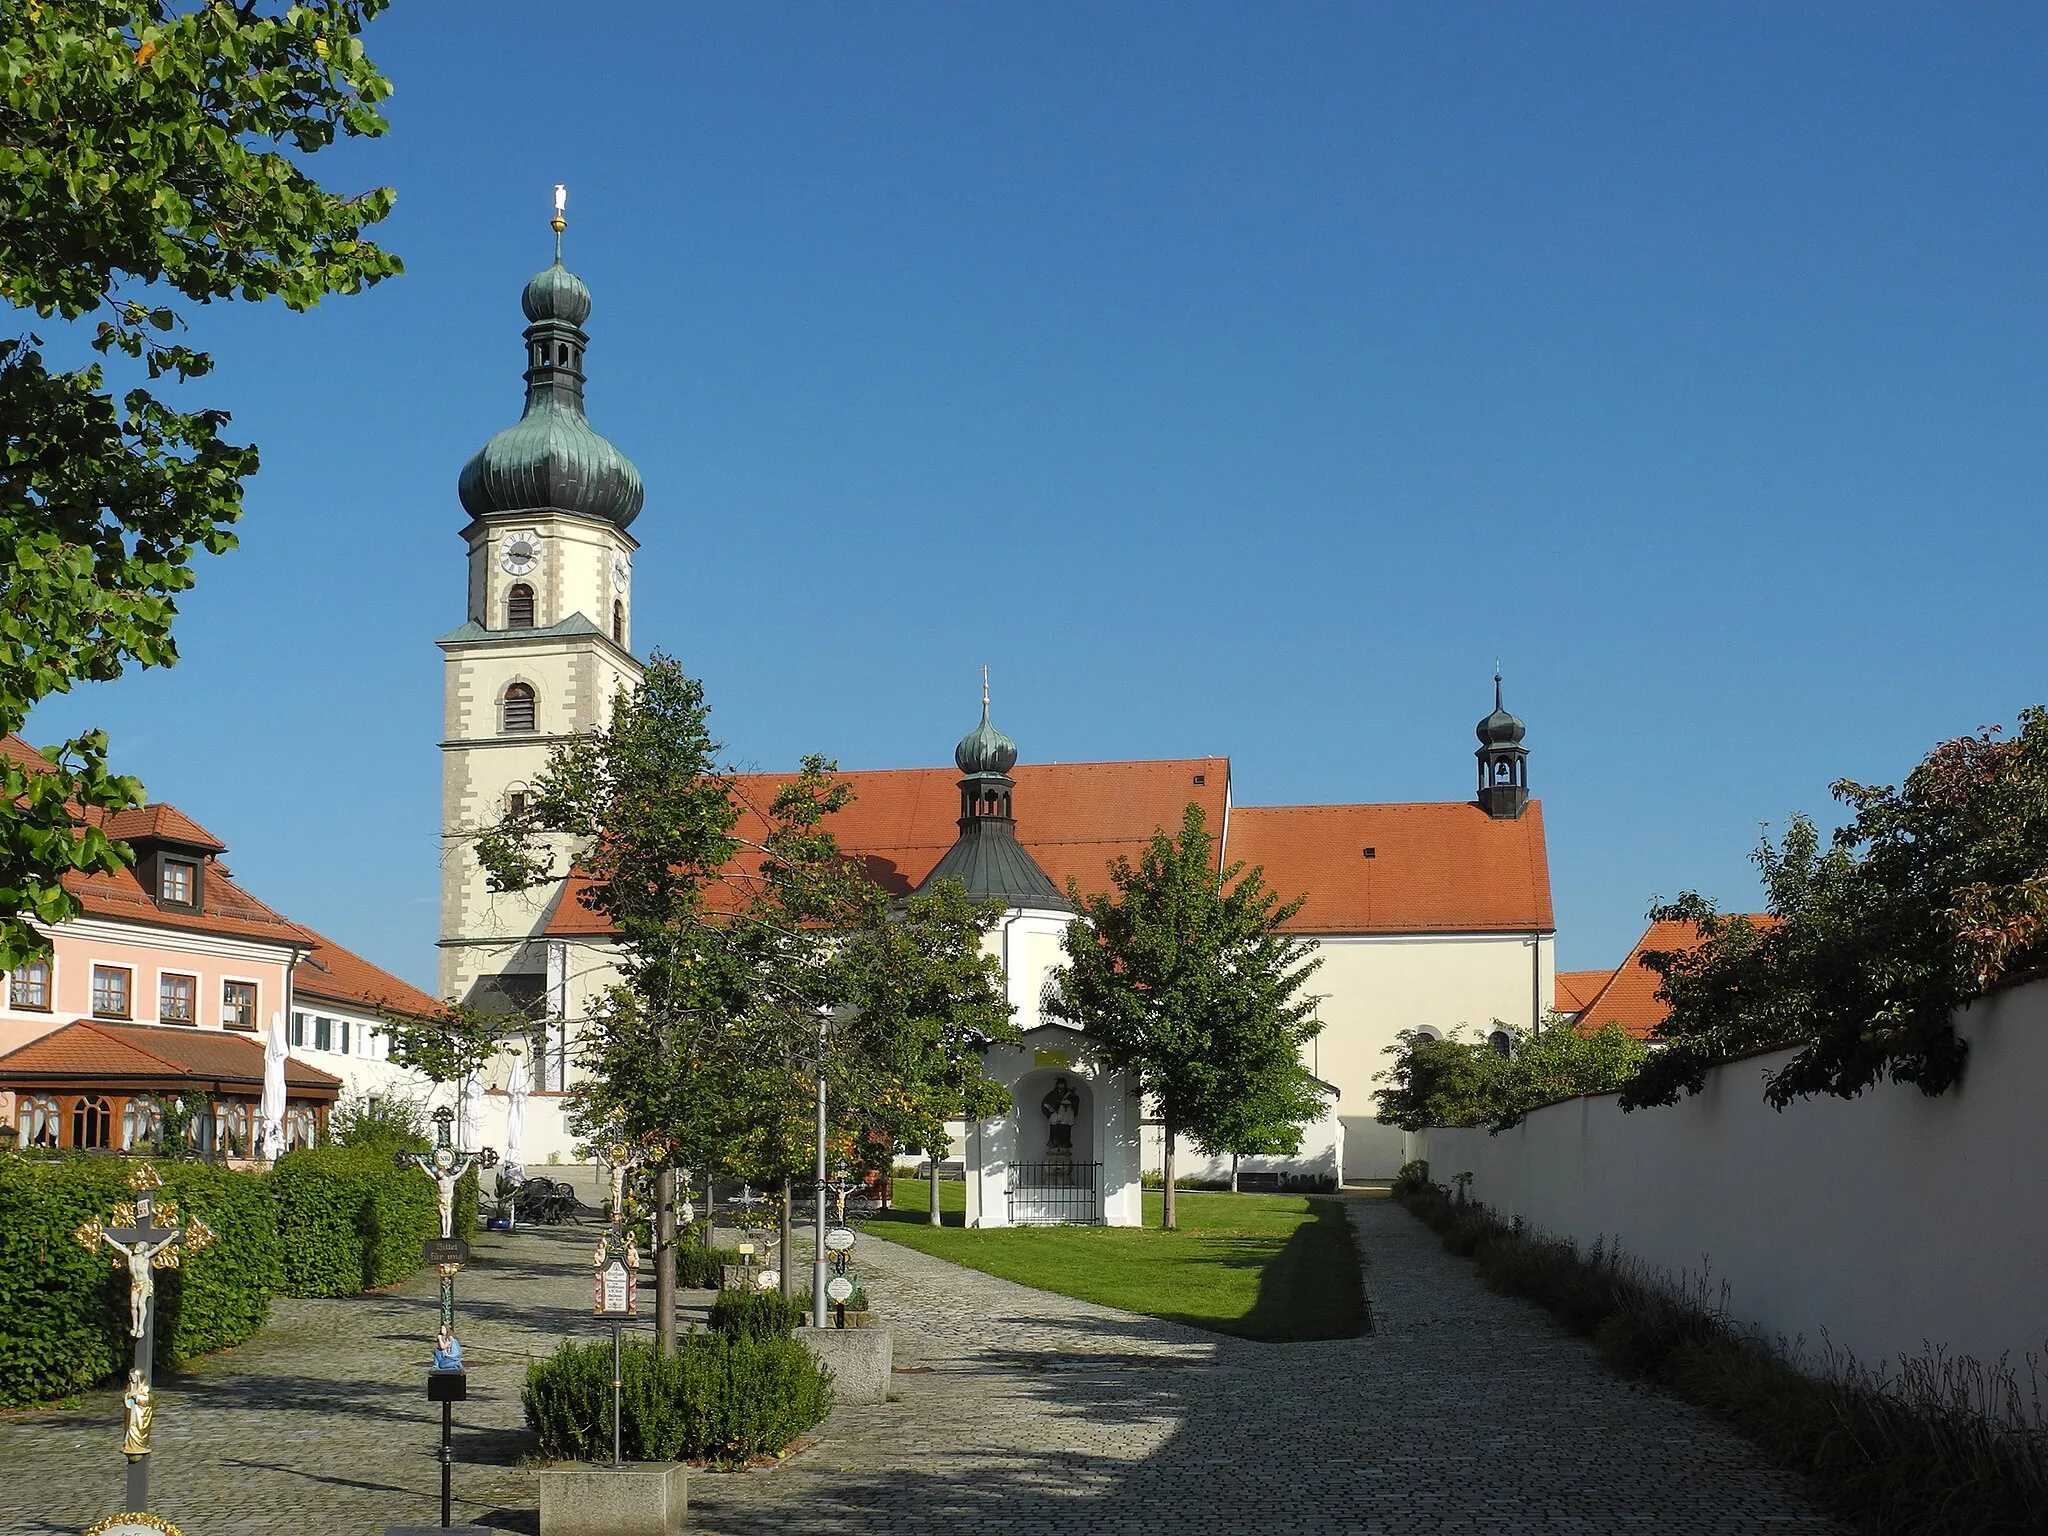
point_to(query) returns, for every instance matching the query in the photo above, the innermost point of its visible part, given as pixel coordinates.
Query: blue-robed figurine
(447, 1352)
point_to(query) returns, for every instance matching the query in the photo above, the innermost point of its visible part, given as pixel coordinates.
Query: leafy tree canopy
(1930, 894)
(151, 152)
(1436, 1082)
(753, 952)
(1181, 974)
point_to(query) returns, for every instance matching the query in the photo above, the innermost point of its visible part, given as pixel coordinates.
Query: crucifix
(841, 1187)
(146, 1235)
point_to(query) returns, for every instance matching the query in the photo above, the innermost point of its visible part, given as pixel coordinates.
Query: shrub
(742, 1314)
(380, 1120)
(352, 1221)
(65, 1310)
(717, 1398)
(703, 1269)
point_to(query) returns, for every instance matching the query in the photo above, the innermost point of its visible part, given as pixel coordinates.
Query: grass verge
(1270, 1267)
(1941, 1447)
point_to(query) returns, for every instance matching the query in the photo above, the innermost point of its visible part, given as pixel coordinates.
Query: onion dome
(985, 749)
(551, 459)
(1500, 729)
(556, 294)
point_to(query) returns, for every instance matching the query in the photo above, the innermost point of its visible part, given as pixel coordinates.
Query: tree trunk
(1233, 1173)
(935, 1218)
(665, 1260)
(1167, 1222)
(788, 1259)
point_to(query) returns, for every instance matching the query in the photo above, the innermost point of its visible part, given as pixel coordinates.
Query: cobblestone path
(1019, 1412)
(1030, 1414)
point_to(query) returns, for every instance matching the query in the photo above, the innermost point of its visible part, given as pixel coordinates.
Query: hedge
(718, 1399)
(64, 1311)
(740, 1314)
(352, 1221)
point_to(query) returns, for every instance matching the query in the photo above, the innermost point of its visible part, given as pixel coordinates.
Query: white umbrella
(276, 1050)
(469, 1112)
(518, 1083)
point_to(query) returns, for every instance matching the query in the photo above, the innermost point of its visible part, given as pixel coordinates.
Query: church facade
(1434, 915)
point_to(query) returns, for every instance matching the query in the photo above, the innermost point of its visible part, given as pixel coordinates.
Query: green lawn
(1274, 1267)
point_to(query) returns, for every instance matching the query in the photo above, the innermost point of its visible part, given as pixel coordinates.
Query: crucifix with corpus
(146, 1235)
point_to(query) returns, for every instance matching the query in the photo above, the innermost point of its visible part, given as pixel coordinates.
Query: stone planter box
(858, 1358)
(642, 1498)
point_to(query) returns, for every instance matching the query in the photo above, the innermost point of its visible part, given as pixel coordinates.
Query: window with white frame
(177, 999)
(323, 1032)
(29, 986)
(112, 992)
(238, 1005)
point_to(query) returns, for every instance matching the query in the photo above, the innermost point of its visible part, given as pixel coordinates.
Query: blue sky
(1230, 379)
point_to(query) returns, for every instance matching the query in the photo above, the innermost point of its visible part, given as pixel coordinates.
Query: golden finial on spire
(558, 223)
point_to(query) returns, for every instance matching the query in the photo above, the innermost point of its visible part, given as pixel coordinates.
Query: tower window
(519, 707)
(618, 622)
(519, 607)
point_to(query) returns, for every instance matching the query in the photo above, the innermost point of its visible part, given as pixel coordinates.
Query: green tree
(1181, 975)
(1438, 1082)
(932, 1001)
(1931, 893)
(753, 955)
(151, 152)
(1463, 1083)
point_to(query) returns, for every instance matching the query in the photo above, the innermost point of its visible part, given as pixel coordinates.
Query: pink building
(168, 985)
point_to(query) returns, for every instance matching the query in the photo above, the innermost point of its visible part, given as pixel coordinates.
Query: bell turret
(1503, 762)
(986, 857)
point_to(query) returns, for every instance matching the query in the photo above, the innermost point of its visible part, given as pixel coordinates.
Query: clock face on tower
(622, 571)
(519, 553)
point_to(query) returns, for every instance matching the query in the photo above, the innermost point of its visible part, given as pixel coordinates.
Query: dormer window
(519, 607)
(177, 883)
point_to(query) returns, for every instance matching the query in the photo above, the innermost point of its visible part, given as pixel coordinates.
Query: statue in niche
(1060, 1106)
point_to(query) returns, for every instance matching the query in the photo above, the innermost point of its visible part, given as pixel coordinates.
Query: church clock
(622, 571)
(519, 553)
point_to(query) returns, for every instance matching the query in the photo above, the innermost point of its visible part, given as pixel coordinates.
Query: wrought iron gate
(1055, 1194)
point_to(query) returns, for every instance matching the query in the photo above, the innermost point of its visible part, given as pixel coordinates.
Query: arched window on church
(1502, 1043)
(618, 622)
(519, 607)
(519, 707)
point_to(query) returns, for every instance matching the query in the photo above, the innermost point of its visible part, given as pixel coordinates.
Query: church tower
(1503, 763)
(547, 643)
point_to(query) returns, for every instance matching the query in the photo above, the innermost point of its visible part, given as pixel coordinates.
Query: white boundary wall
(1889, 1222)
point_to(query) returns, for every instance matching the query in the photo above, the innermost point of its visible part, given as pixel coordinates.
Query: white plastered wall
(1887, 1222)
(1110, 1135)
(1370, 988)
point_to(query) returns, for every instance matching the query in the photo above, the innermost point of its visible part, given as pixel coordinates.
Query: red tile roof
(1575, 989)
(1630, 996)
(164, 823)
(1443, 866)
(336, 975)
(227, 908)
(1439, 867)
(144, 1055)
(1073, 818)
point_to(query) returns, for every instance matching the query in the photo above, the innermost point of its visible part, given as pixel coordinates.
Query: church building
(1434, 915)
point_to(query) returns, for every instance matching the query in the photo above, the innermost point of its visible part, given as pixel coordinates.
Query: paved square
(1019, 1412)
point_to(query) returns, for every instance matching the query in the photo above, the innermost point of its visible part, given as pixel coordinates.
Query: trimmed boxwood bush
(716, 1399)
(742, 1314)
(352, 1221)
(64, 1311)
(703, 1269)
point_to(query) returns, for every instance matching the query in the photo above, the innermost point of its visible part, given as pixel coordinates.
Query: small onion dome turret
(985, 749)
(1500, 729)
